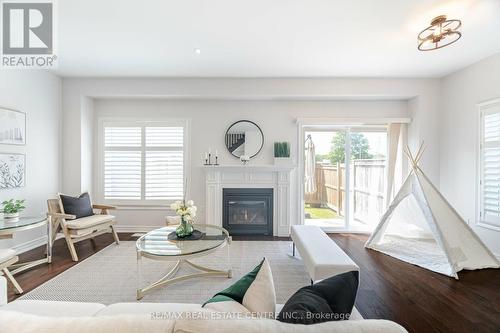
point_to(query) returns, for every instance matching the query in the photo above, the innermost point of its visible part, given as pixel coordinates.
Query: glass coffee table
(8, 227)
(157, 245)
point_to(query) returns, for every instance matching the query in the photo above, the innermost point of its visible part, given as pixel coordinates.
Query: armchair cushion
(80, 206)
(89, 221)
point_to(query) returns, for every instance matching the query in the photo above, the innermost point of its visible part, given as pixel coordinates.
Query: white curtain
(394, 142)
(310, 167)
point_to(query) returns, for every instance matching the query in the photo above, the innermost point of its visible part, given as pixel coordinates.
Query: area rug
(110, 276)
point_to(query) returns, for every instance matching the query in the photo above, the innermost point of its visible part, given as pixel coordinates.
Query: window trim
(126, 121)
(482, 108)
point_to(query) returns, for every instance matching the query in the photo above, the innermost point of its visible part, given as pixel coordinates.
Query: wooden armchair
(76, 230)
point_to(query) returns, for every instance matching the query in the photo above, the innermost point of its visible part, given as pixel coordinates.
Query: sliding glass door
(349, 177)
(368, 174)
(325, 183)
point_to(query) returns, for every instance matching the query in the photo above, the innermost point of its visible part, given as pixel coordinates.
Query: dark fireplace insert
(248, 211)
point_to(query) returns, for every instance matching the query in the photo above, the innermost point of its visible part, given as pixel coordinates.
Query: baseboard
(42, 240)
(31, 244)
(136, 228)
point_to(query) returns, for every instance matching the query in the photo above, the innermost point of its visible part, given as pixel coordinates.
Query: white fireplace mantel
(250, 176)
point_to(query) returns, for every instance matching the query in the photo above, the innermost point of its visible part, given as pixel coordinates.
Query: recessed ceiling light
(197, 51)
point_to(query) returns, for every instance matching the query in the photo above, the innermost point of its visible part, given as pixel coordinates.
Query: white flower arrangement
(185, 209)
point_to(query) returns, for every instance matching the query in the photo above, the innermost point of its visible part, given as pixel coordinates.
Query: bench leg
(312, 282)
(293, 249)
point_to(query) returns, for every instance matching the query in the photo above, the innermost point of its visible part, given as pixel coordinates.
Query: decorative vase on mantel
(184, 229)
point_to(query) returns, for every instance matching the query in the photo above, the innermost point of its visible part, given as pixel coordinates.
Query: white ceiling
(267, 38)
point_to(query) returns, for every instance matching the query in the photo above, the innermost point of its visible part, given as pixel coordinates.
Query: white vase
(10, 216)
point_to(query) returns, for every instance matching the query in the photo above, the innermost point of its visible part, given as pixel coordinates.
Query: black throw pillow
(79, 206)
(331, 299)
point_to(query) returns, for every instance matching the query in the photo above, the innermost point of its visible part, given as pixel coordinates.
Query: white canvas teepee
(422, 228)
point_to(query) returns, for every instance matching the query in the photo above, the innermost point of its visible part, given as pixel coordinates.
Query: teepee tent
(422, 228)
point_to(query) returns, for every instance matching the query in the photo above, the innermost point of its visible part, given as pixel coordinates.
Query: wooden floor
(420, 300)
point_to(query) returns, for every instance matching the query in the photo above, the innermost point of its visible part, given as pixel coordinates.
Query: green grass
(320, 213)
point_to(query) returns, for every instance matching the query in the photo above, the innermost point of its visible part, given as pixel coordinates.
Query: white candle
(216, 152)
(206, 156)
(209, 150)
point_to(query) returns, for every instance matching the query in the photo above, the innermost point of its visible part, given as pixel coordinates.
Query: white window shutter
(122, 175)
(490, 166)
(122, 136)
(164, 163)
(161, 136)
(143, 163)
(164, 175)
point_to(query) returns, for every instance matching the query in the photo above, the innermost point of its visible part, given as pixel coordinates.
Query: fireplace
(247, 211)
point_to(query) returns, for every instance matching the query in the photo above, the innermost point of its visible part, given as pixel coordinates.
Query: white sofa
(29, 316)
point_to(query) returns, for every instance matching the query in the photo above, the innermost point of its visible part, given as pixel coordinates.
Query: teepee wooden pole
(420, 152)
(410, 156)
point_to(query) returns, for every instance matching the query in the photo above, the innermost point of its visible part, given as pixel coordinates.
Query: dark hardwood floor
(420, 300)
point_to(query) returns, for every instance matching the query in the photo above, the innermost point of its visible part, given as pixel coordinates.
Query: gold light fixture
(441, 33)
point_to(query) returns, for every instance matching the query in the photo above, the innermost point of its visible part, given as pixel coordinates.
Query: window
(142, 162)
(490, 165)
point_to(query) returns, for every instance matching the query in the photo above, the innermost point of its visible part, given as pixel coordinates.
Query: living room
(322, 166)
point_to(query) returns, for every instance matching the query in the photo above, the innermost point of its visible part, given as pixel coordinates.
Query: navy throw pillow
(80, 206)
(331, 299)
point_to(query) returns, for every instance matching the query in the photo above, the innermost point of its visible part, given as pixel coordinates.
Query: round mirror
(244, 138)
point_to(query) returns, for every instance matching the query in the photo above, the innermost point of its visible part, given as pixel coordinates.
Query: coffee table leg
(139, 276)
(229, 270)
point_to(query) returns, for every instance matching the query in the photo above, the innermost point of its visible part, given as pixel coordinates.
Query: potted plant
(12, 208)
(281, 153)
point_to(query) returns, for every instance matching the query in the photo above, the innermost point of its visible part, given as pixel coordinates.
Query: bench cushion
(89, 221)
(322, 257)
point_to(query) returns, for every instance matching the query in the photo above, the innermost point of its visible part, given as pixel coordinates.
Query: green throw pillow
(254, 293)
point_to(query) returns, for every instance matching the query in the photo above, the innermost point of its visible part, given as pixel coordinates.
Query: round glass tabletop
(23, 222)
(157, 242)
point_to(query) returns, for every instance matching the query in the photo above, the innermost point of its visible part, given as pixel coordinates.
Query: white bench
(322, 257)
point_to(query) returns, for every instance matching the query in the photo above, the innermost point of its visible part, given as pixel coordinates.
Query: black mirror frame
(245, 121)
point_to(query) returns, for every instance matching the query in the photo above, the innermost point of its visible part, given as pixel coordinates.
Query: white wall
(38, 94)
(213, 104)
(87, 144)
(210, 120)
(462, 91)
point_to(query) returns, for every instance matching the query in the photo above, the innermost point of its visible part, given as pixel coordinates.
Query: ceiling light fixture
(441, 33)
(197, 51)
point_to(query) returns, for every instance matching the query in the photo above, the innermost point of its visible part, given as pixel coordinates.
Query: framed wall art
(12, 127)
(12, 170)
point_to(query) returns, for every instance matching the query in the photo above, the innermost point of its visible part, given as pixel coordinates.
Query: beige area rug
(110, 276)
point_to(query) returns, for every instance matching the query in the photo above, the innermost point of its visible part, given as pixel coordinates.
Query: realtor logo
(28, 34)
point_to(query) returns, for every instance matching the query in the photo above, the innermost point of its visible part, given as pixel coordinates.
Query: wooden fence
(368, 182)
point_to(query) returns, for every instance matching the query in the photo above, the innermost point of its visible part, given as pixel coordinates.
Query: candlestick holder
(216, 160)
